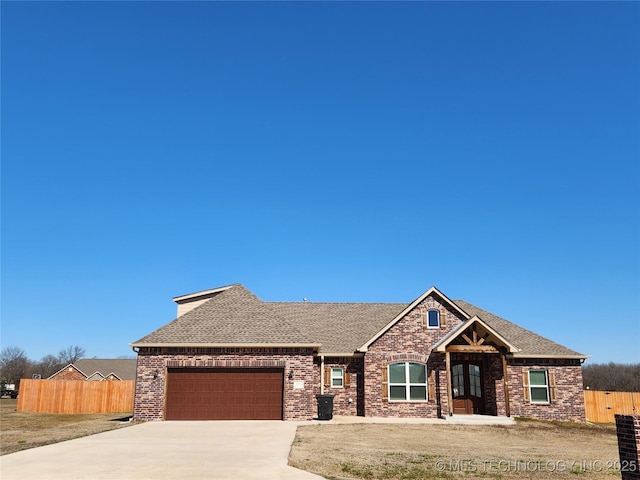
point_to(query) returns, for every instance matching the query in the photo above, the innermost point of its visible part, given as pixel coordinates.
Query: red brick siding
(69, 373)
(628, 430)
(408, 340)
(569, 402)
(342, 395)
(299, 404)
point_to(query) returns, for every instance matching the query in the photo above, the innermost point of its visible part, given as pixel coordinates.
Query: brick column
(628, 429)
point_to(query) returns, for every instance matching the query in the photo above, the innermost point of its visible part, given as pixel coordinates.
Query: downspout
(321, 374)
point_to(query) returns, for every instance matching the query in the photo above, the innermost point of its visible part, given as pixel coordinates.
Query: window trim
(546, 386)
(407, 383)
(437, 316)
(337, 377)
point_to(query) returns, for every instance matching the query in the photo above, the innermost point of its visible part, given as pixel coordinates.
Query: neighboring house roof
(236, 317)
(123, 368)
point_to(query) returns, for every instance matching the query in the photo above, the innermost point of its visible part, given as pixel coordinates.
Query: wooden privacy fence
(51, 396)
(601, 407)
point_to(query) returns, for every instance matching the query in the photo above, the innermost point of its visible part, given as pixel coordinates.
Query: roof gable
(68, 366)
(406, 310)
(459, 331)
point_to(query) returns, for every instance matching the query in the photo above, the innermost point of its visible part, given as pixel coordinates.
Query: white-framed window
(337, 377)
(539, 386)
(433, 318)
(407, 382)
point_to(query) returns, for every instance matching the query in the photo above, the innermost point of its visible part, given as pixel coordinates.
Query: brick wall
(569, 402)
(495, 403)
(628, 429)
(299, 404)
(409, 340)
(69, 373)
(341, 404)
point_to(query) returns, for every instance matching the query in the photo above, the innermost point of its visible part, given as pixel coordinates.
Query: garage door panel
(224, 394)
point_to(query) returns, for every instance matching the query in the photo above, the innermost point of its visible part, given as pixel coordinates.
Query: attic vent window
(433, 319)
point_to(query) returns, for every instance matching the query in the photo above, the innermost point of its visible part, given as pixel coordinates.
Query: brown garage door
(224, 394)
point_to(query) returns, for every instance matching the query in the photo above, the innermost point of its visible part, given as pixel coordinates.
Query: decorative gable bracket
(474, 335)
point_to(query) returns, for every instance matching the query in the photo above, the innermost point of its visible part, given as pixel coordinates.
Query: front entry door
(466, 387)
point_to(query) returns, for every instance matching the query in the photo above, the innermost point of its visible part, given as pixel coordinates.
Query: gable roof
(492, 335)
(233, 317)
(528, 343)
(236, 317)
(123, 368)
(407, 309)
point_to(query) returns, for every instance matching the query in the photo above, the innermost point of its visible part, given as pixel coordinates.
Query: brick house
(98, 369)
(230, 355)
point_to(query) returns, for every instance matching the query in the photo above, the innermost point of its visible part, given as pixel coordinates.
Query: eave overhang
(577, 356)
(189, 297)
(225, 345)
(338, 354)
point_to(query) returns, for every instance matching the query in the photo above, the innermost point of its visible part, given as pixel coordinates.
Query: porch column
(447, 366)
(505, 383)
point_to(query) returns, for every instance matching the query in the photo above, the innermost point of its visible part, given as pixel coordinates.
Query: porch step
(479, 420)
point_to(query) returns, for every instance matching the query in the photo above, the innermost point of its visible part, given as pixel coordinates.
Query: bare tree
(14, 365)
(49, 365)
(612, 377)
(70, 354)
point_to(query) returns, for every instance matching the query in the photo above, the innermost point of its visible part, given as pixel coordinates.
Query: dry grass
(21, 430)
(533, 450)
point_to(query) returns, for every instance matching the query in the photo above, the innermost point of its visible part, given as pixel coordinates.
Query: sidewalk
(455, 419)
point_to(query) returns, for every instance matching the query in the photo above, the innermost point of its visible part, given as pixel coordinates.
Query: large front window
(407, 382)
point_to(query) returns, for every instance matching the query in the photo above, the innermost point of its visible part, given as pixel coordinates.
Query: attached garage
(224, 394)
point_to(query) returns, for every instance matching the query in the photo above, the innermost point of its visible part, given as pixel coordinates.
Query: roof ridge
(336, 303)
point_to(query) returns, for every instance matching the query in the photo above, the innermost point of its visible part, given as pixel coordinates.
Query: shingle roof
(124, 368)
(233, 317)
(237, 317)
(339, 327)
(526, 341)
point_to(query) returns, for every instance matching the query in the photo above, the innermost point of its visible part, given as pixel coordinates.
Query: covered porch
(476, 370)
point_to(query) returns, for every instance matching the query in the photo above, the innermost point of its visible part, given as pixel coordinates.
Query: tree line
(14, 363)
(612, 377)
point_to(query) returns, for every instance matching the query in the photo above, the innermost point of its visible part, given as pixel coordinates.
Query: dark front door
(466, 388)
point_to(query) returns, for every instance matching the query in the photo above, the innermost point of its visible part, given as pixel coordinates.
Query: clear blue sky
(327, 150)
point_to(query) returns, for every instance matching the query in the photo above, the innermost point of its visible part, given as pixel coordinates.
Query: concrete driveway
(236, 450)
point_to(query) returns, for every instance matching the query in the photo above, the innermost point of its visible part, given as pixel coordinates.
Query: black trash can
(325, 407)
